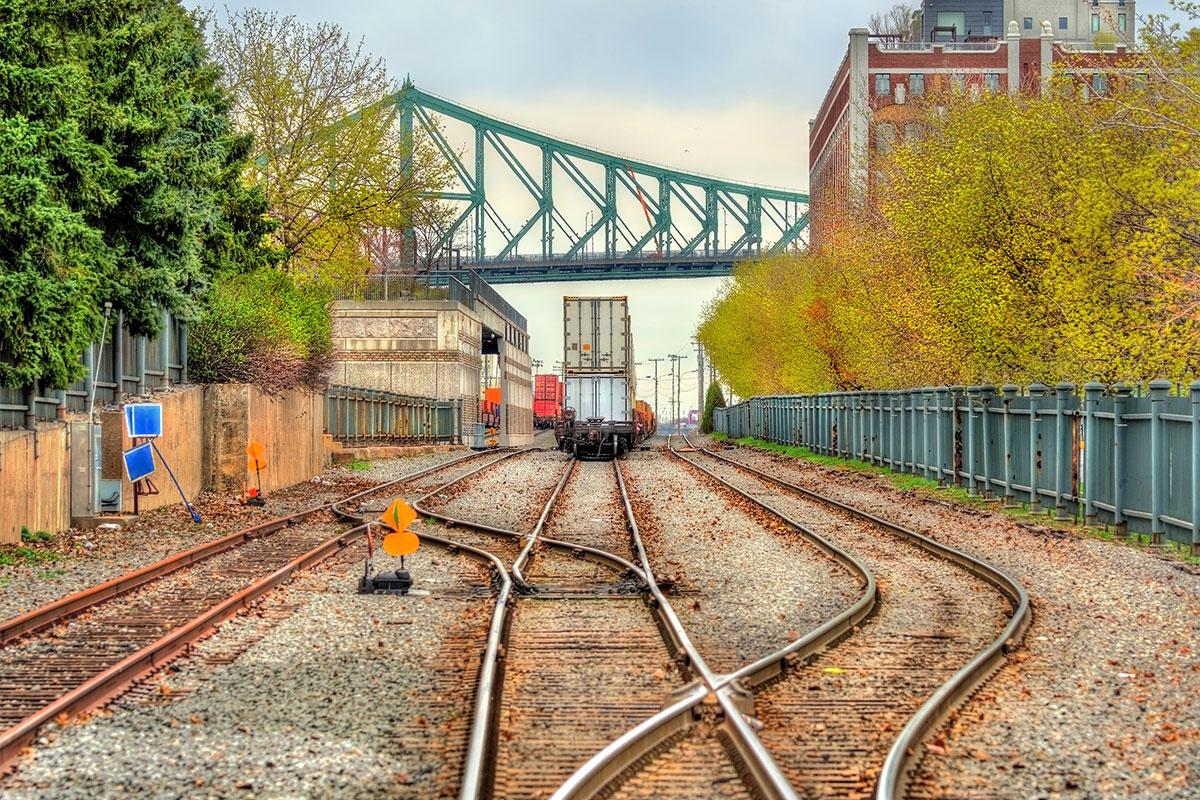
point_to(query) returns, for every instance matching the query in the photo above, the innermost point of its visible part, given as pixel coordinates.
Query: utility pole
(656, 360)
(699, 374)
(671, 403)
(679, 390)
(676, 384)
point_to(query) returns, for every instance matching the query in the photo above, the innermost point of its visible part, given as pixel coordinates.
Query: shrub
(265, 328)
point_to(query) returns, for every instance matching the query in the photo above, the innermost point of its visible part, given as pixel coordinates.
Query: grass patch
(359, 465)
(35, 536)
(17, 555)
(51, 574)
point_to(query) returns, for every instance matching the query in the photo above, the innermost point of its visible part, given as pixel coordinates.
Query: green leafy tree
(714, 398)
(331, 156)
(119, 177)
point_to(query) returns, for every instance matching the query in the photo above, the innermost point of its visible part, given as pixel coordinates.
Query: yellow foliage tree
(1021, 239)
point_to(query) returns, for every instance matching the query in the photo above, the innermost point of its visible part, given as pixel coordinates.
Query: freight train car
(645, 420)
(599, 417)
(547, 400)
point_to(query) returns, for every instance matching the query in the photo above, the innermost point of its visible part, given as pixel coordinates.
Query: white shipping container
(604, 396)
(596, 334)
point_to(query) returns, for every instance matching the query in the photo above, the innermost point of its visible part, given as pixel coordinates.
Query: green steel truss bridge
(528, 207)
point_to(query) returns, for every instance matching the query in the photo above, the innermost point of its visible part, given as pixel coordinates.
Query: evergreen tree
(714, 398)
(119, 177)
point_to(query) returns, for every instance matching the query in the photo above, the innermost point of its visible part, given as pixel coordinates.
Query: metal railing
(128, 365)
(463, 286)
(365, 417)
(1106, 454)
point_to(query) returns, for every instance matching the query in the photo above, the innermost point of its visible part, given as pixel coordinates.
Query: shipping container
(597, 335)
(603, 396)
(546, 387)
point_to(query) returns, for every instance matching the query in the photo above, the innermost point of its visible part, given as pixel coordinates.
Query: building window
(916, 84)
(953, 19)
(1028, 23)
(1099, 82)
(883, 84)
(987, 23)
(991, 81)
(1095, 23)
(1121, 23)
(958, 82)
(1062, 23)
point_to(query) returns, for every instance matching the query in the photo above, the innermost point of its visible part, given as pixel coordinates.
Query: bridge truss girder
(669, 200)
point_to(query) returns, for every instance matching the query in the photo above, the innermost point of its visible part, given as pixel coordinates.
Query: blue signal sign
(143, 420)
(139, 462)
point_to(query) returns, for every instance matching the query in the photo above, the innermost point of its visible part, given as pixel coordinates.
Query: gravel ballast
(87, 558)
(830, 722)
(329, 693)
(1100, 701)
(509, 495)
(748, 584)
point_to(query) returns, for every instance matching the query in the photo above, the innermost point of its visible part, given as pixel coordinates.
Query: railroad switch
(397, 581)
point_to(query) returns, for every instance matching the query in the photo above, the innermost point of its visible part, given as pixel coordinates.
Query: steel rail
(78, 602)
(489, 687)
(113, 680)
(479, 744)
(818, 639)
(897, 765)
(531, 540)
(648, 734)
(614, 759)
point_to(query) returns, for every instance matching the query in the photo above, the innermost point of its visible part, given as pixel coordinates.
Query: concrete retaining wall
(182, 445)
(290, 426)
(37, 491)
(205, 433)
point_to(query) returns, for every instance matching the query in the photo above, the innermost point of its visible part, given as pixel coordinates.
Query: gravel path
(334, 694)
(751, 584)
(1101, 701)
(589, 512)
(91, 557)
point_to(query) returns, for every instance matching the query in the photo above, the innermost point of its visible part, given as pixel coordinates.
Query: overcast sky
(708, 86)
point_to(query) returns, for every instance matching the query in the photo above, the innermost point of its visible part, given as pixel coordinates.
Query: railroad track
(81, 651)
(542, 685)
(851, 719)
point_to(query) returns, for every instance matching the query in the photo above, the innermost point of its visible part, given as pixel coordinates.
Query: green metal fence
(124, 365)
(363, 417)
(1107, 454)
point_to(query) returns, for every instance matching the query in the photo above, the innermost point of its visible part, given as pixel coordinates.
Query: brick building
(868, 106)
